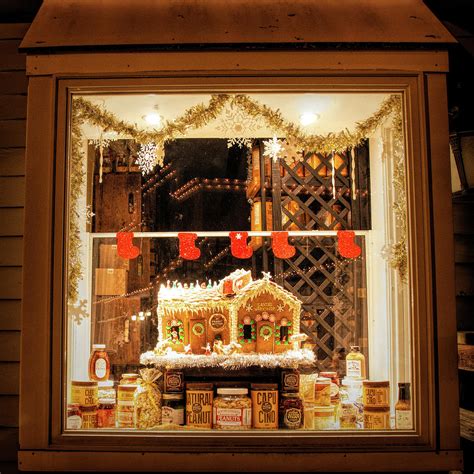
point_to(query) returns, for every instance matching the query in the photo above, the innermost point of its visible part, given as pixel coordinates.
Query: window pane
(237, 262)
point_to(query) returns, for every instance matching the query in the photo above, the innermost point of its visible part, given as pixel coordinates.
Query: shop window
(228, 232)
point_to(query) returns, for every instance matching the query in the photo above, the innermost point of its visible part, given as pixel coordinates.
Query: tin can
(174, 381)
(199, 397)
(376, 394)
(74, 417)
(125, 406)
(290, 381)
(84, 394)
(89, 417)
(322, 392)
(265, 406)
(376, 418)
(172, 409)
(324, 418)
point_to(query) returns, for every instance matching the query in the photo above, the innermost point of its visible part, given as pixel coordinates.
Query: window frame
(420, 254)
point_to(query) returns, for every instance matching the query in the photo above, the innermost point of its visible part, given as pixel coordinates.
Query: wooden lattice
(328, 286)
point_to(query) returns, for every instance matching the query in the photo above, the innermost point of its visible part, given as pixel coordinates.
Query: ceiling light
(153, 118)
(308, 118)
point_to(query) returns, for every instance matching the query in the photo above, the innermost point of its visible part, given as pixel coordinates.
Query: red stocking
(346, 245)
(187, 247)
(238, 245)
(125, 247)
(280, 246)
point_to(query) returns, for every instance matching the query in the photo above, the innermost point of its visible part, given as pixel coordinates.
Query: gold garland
(198, 116)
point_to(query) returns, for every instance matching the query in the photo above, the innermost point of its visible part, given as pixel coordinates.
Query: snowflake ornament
(241, 142)
(248, 307)
(78, 312)
(147, 157)
(87, 214)
(273, 148)
(280, 308)
(236, 122)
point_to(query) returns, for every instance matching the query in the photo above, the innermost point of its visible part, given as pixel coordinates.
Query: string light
(216, 184)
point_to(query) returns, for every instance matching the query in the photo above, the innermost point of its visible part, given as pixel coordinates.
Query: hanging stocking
(346, 245)
(238, 245)
(280, 246)
(125, 247)
(187, 247)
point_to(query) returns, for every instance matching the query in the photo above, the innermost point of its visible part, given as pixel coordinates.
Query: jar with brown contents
(291, 411)
(232, 409)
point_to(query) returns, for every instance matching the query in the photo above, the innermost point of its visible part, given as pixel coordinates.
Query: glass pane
(237, 262)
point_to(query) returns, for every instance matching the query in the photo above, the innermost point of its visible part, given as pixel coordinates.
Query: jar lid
(83, 383)
(347, 382)
(381, 383)
(98, 346)
(323, 380)
(127, 387)
(71, 406)
(328, 374)
(355, 348)
(129, 376)
(173, 396)
(106, 401)
(199, 386)
(106, 383)
(289, 394)
(232, 391)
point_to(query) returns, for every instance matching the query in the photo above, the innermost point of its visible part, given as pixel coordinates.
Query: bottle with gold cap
(355, 364)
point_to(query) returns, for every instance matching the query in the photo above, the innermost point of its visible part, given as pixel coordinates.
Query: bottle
(355, 364)
(403, 413)
(99, 364)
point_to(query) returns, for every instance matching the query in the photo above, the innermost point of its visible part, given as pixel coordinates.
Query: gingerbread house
(259, 315)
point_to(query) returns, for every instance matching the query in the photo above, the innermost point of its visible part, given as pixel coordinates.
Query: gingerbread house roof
(262, 286)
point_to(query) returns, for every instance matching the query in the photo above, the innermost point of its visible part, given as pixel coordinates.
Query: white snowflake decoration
(87, 214)
(273, 148)
(147, 157)
(280, 308)
(248, 307)
(100, 142)
(236, 122)
(78, 312)
(241, 142)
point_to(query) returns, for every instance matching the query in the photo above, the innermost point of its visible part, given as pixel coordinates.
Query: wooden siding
(13, 94)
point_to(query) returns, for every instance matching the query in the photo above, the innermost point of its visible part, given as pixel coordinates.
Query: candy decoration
(346, 244)
(187, 247)
(125, 247)
(280, 246)
(238, 245)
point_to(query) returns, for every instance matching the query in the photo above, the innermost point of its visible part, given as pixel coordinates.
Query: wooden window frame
(429, 225)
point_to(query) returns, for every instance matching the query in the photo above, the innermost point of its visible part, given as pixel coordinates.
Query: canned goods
(322, 392)
(376, 418)
(290, 381)
(74, 417)
(174, 381)
(376, 394)
(265, 406)
(84, 394)
(199, 397)
(324, 417)
(125, 406)
(89, 418)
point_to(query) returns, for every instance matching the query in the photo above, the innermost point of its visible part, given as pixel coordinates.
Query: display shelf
(467, 424)
(175, 360)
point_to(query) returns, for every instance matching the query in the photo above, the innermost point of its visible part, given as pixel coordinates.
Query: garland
(198, 116)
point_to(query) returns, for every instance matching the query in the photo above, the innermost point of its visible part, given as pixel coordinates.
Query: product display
(232, 409)
(228, 267)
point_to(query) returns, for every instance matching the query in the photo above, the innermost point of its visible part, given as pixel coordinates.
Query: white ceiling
(337, 111)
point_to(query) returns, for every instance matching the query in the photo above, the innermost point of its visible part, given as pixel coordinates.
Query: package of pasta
(147, 400)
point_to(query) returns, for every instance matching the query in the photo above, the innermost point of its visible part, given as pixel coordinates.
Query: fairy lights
(216, 184)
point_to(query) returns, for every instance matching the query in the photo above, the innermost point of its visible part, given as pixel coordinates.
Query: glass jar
(106, 390)
(324, 418)
(99, 364)
(232, 409)
(291, 411)
(172, 409)
(128, 379)
(74, 417)
(106, 413)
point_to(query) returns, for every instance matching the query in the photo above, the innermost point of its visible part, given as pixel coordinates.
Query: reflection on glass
(230, 268)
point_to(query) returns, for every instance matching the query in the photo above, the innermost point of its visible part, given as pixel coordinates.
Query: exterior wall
(13, 92)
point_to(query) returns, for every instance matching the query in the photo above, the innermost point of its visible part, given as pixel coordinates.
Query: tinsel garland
(77, 179)
(236, 361)
(198, 116)
(397, 253)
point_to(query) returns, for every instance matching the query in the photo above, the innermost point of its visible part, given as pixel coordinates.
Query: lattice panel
(311, 198)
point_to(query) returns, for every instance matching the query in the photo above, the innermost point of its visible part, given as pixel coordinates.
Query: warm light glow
(134, 317)
(153, 118)
(308, 118)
